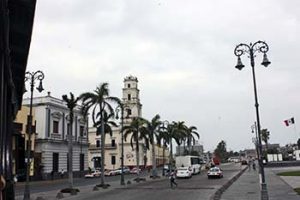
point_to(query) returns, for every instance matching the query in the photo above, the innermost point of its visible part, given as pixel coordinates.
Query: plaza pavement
(247, 186)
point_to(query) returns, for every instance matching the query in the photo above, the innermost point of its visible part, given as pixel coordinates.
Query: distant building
(131, 100)
(275, 147)
(249, 153)
(51, 142)
(183, 150)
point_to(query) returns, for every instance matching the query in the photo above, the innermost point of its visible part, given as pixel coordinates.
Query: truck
(193, 162)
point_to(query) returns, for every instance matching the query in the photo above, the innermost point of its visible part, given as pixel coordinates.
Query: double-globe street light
(251, 50)
(31, 77)
(120, 108)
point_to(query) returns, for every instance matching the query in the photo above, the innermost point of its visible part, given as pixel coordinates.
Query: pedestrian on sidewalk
(172, 179)
(254, 165)
(249, 165)
(52, 175)
(62, 172)
(2, 185)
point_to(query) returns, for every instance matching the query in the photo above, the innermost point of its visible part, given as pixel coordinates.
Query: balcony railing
(107, 146)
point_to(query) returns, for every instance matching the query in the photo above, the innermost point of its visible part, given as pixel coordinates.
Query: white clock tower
(131, 98)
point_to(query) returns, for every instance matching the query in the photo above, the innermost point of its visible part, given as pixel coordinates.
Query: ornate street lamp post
(31, 77)
(251, 50)
(121, 108)
(164, 126)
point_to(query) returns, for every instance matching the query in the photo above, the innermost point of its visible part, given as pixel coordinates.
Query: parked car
(135, 170)
(93, 173)
(126, 170)
(110, 172)
(184, 172)
(215, 172)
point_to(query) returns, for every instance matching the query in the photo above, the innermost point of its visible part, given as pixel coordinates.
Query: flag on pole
(289, 121)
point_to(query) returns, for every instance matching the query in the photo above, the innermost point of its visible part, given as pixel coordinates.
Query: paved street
(198, 187)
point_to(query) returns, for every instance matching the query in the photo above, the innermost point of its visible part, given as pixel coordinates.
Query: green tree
(152, 128)
(191, 134)
(108, 124)
(221, 151)
(179, 132)
(163, 139)
(99, 102)
(137, 132)
(71, 104)
(265, 136)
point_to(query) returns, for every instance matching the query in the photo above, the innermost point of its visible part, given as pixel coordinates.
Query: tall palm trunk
(154, 173)
(171, 155)
(70, 153)
(102, 150)
(164, 153)
(137, 152)
(184, 148)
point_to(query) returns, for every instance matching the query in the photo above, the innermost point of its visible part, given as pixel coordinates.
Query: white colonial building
(51, 141)
(133, 108)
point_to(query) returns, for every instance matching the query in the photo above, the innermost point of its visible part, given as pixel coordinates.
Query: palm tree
(137, 132)
(265, 136)
(71, 104)
(99, 102)
(163, 139)
(191, 132)
(152, 128)
(179, 133)
(108, 124)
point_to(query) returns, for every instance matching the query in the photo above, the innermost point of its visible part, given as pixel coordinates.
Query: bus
(193, 162)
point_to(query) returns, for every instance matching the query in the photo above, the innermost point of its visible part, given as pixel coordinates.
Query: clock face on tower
(129, 155)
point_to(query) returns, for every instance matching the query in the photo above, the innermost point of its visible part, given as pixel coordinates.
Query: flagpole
(295, 129)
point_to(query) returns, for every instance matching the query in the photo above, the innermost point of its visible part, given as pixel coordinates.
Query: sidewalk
(86, 189)
(247, 187)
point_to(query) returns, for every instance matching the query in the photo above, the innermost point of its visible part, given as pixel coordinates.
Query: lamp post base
(264, 192)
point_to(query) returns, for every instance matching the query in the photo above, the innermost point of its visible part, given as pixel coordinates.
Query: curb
(217, 195)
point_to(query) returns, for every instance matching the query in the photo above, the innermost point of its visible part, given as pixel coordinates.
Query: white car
(110, 173)
(126, 170)
(184, 172)
(94, 173)
(135, 170)
(215, 172)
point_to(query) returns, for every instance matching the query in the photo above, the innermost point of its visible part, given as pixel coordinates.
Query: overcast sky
(182, 54)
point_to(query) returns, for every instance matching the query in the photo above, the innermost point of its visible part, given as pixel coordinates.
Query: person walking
(2, 185)
(172, 179)
(249, 165)
(52, 175)
(254, 165)
(62, 172)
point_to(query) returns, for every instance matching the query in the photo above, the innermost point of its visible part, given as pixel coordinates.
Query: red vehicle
(216, 161)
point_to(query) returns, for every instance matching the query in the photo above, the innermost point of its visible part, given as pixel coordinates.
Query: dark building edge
(16, 21)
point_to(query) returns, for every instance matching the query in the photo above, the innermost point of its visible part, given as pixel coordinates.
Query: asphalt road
(45, 186)
(198, 187)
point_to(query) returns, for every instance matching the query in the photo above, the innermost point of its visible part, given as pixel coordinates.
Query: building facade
(15, 39)
(133, 108)
(20, 143)
(52, 127)
(195, 149)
